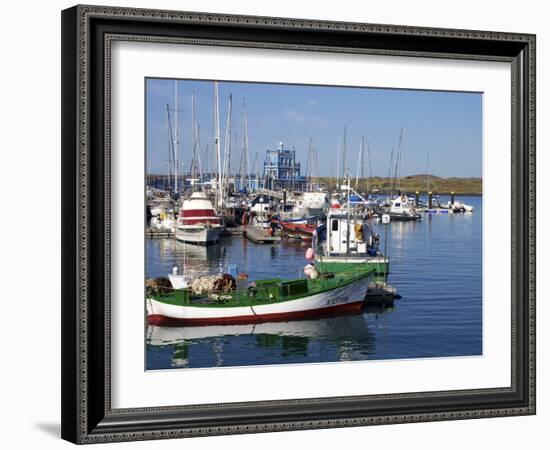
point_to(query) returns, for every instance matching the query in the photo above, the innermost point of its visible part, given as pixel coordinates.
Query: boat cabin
(402, 205)
(349, 235)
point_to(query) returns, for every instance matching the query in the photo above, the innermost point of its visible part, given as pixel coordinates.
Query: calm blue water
(436, 267)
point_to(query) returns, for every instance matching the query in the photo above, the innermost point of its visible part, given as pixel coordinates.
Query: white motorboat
(458, 207)
(198, 222)
(348, 236)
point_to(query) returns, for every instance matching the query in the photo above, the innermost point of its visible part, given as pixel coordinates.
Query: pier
(260, 236)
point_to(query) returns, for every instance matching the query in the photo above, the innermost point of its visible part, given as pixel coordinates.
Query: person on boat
(272, 225)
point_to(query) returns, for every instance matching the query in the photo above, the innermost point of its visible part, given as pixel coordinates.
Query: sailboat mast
(255, 168)
(398, 162)
(176, 137)
(217, 139)
(344, 156)
(193, 138)
(199, 152)
(348, 207)
(390, 177)
(170, 145)
(361, 162)
(338, 164)
(427, 168)
(227, 152)
(310, 163)
(245, 144)
(370, 166)
(313, 165)
(206, 160)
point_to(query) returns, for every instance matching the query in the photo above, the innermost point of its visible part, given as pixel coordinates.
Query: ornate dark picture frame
(87, 34)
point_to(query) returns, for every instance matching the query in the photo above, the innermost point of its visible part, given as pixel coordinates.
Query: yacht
(198, 222)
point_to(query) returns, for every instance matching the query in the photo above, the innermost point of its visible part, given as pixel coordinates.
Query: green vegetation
(412, 183)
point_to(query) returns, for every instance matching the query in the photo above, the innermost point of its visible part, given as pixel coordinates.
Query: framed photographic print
(282, 224)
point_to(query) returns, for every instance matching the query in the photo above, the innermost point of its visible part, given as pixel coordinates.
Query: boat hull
(198, 235)
(401, 217)
(298, 230)
(345, 299)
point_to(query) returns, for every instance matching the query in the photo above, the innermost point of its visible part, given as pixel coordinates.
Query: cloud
(312, 103)
(303, 118)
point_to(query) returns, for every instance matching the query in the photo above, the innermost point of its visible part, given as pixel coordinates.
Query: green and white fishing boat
(347, 237)
(322, 292)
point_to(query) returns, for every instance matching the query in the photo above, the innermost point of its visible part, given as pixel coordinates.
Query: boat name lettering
(338, 300)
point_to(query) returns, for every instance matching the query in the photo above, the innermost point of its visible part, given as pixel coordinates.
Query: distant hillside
(413, 183)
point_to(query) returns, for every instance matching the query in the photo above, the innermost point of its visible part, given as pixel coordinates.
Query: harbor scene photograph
(289, 223)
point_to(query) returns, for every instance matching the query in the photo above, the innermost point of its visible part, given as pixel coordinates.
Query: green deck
(274, 290)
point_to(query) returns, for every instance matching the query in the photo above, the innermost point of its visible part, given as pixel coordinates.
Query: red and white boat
(298, 230)
(197, 221)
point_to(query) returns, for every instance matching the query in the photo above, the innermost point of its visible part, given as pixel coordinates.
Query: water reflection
(339, 338)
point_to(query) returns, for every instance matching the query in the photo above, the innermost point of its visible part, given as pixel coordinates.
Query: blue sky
(447, 124)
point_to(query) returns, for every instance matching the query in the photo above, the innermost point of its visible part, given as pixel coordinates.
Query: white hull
(336, 299)
(198, 234)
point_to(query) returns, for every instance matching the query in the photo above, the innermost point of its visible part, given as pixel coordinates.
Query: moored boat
(341, 291)
(403, 209)
(348, 238)
(299, 230)
(197, 221)
(311, 202)
(460, 207)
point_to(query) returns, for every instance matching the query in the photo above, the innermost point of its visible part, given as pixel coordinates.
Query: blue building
(247, 184)
(281, 171)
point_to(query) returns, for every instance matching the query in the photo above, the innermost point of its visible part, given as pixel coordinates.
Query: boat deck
(270, 291)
